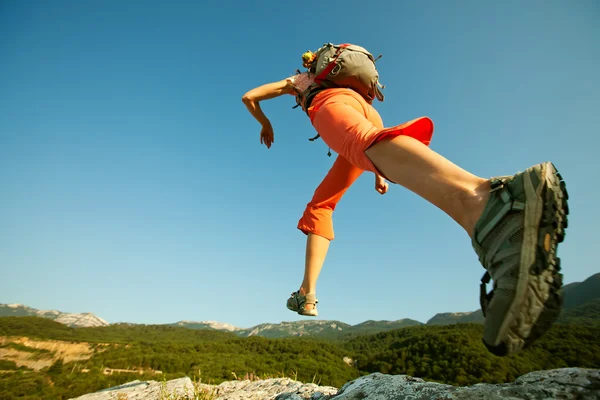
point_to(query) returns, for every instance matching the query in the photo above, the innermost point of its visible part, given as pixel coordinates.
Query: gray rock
(267, 389)
(565, 384)
(146, 390)
(271, 389)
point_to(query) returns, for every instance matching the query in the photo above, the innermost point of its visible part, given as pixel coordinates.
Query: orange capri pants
(349, 125)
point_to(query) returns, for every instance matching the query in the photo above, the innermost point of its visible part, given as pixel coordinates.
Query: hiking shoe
(297, 303)
(516, 240)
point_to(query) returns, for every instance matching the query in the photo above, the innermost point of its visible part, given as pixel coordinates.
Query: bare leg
(316, 251)
(413, 165)
(317, 220)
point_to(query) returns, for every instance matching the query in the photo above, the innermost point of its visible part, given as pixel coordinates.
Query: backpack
(343, 66)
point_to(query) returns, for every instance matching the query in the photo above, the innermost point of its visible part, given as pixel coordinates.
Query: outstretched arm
(268, 91)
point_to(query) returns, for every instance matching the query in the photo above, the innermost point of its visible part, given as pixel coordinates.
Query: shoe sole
(305, 313)
(538, 298)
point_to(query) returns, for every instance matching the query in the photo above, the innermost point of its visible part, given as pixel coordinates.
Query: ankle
(474, 202)
(304, 290)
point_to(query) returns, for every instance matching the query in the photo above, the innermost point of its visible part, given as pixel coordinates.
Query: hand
(381, 185)
(267, 137)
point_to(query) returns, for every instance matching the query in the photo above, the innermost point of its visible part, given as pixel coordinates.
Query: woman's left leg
(317, 224)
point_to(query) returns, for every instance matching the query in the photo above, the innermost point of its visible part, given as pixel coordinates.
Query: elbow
(247, 99)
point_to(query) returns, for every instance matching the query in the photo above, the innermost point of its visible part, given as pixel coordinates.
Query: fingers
(267, 140)
(382, 189)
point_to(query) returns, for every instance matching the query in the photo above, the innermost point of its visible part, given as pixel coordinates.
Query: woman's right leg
(515, 224)
(413, 165)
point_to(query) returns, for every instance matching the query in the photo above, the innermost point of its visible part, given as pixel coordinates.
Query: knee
(317, 220)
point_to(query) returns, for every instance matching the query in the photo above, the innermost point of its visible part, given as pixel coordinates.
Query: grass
(293, 376)
(197, 393)
(200, 393)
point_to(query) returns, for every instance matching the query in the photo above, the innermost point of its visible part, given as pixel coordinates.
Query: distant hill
(75, 320)
(578, 293)
(369, 327)
(323, 329)
(457, 318)
(214, 325)
(580, 299)
(582, 302)
(585, 314)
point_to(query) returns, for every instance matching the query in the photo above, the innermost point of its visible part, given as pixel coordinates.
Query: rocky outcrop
(145, 390)
(74, 320)
(565, 383)
(88, 320)
(270, 389)
(185, 389)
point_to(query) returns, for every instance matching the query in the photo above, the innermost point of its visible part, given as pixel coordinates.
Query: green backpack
(342, 66)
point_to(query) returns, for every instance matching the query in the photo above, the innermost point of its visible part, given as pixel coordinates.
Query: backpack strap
(315, 138)
(378, 93)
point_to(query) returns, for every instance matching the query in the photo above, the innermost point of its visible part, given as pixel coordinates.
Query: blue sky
(133, 184)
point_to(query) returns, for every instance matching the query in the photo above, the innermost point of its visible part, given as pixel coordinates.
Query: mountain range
(69, 319)
(582, 303)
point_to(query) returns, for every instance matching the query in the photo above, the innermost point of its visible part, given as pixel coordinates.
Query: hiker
(514, 222)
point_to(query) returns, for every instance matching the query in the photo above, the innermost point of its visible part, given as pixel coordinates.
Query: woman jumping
(515, 222)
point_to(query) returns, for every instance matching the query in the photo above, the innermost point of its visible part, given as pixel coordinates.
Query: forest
(452, 354)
